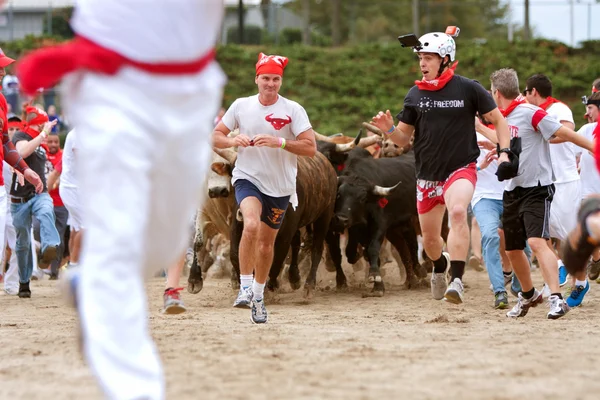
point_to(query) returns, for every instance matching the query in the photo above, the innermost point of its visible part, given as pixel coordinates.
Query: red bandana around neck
(513, 105)
(437, 83)
(33, 133)
(549, 101)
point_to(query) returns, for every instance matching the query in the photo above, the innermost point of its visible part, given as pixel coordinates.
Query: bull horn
(373, 129)
(322, 138)
(368, 141)
(384, 191)
(346, 147)
(228, 154)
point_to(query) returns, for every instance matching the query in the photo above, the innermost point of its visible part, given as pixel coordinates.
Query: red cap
(4, 60)
(270, 64)
(40, 118)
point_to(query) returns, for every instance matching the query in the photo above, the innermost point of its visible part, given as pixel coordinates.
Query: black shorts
(526, 215)
(273, 208)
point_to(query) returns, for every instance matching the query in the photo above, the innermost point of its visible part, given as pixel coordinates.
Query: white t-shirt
(69, 166)
(155, 31)
(590, 178)
(563, 158)
(488, 186)
(535, 127)
(272, 171)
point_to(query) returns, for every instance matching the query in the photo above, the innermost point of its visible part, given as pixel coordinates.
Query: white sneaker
(523, 305)
(558, 307)
(244, 298)
(439, 282)
(11, 291)
(454, 293)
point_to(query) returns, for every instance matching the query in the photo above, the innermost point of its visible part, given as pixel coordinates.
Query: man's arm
(304, 145)
(26, 148)
(570, 135)
(569, 125)
(490, 134)
(502, 133)
(222, 141)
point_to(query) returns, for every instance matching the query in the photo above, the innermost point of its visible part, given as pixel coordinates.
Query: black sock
(559, 295)
(457, 269)
(507, 273)
(439, 265)
(529, 294)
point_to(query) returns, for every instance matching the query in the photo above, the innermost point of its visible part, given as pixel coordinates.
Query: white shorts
(70, 197)
(563, 211)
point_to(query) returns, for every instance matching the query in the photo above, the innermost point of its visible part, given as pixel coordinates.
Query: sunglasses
(526, 91)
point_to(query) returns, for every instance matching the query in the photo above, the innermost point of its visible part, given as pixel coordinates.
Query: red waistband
(45, 67)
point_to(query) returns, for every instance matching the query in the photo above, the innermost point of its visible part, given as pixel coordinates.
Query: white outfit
(563, 215)
(68, 189)
(590, 178)
(272, 170)
(144, 147)
(488, 186)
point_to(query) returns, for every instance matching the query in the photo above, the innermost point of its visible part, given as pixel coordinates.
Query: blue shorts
(273, 208)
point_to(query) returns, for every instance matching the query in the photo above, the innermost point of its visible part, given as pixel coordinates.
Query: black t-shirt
(444, 122)
(36, 161)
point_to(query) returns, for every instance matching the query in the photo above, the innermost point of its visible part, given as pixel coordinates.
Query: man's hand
(48, 126)
(34, 179)
(383, 121)
(491, 156)
(241, 141)
(20, 178)
(266, 140)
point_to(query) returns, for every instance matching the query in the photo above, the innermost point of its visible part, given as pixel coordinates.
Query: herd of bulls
(352, 186)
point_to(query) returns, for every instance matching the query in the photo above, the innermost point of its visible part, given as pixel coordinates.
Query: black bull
(316, 187)
(371, 212)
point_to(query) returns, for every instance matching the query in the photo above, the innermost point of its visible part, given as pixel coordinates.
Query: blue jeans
(488, 213)
(41, 206)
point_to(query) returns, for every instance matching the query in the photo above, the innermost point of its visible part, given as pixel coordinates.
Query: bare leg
(457, 198)
(520, 266)
(174, 272)
(548, 263)
(475, 239)
(251, 209)
(506, 263)
(266, 240)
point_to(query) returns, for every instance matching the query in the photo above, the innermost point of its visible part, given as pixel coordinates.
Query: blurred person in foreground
(143, 157)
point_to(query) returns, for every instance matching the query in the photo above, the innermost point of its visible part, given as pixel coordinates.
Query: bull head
(383, 191)
(278, 123)
(346, 147)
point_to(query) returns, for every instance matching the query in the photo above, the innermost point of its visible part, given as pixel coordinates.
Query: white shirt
(590, 178)
(272, 170)
(69, 165)
(155, 31)
(7, 174)
(488, 186)
(535, 128)
(563, 158)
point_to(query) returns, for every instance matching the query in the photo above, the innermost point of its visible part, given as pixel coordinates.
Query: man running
(273, 132)
(441, 111)
(142, 99)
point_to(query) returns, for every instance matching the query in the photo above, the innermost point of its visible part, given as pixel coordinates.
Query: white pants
(143, 157)
(563, 211)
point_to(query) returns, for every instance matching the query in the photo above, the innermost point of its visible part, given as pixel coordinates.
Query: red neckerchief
(437, 83)
(519, 100)
(33, 133)
(549, 101)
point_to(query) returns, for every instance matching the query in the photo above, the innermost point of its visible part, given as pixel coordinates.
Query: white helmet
(439, 43)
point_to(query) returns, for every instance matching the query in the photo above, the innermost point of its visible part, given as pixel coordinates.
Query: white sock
(258, 290)
(246, 281)
(72, 264)
(580, 283)
(560, 263)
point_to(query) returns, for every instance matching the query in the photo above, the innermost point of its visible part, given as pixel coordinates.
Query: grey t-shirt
(535, 127)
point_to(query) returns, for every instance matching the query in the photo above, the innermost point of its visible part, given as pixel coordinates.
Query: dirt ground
(339, 345)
